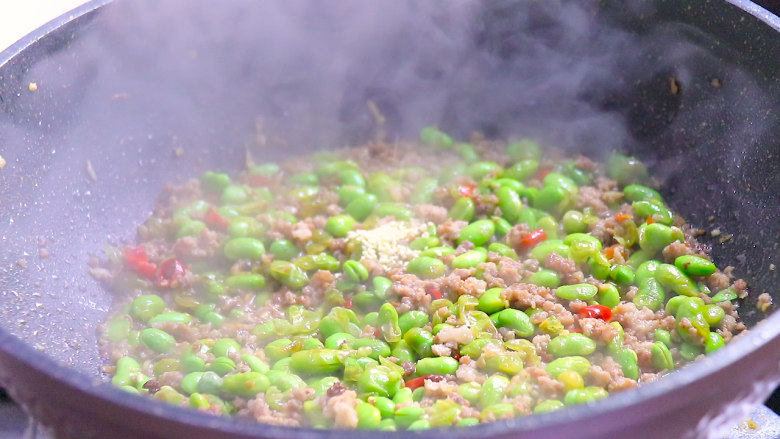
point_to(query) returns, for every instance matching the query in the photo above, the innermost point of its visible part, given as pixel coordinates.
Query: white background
(20, 17)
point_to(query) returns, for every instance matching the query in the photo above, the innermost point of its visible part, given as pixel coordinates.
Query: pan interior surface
(128, 100)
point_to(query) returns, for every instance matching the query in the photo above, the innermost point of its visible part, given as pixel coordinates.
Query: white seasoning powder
(389, 243)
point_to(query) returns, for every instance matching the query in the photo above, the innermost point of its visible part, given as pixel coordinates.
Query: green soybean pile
(413, 285)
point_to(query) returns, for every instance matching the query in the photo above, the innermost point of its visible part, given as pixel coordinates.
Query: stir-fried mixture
(413, 285)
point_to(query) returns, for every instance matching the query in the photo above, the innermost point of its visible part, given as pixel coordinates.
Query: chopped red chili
(348, 303)
(533, 238)
(138, 261)
(260, 180)
(171, 271)
(596, 312)
(434, 292)
(215, 220)
(415, 383)
(542, 173)
(466, 189)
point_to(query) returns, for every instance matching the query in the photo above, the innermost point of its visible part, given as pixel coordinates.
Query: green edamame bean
(176, 317)
(493, 390)
(222, 366)
(432, 136)
(246, 281)
(412, 319)
(672, 278)
(544, 249)
(426, 267)
(244, 248)
(170, 395)
(662, 357)
(245, 384)
(570, 345)
(521, 170)
(637, 192)
(407, 415)
(126, 368)
(209, 382)
(379, 381)
(622, 274)
(656, 236)
(695, 265)
(289, 274)
(348, 193)
(362, 206)
(498, 411)
(510, 363)
(317, 361)
(479, 232)
(725, 295)
(352, 177)
(491, 301)
(420, 341)
(147, 306)
(608, 295)
(714, 342)
(510, 203)
(340, 225)
(503, 250)
(284, 249)
(190, 228)
(385, 405)
(650, 294)
(225, 347)
(437, 366)
(467, 152)
(462, 210)
(653, 209)
(646, 270)
(388, 323)
(470, 392)
(577, 291)
(548, 405)
(510, 183)
(377, 348)
(517, 320)
(397, 210)
(368, 416)
(423, 191)
(690, 351)
(713, 314)
(663, 336)
(158, 340)
(628, 361)
(584, 395)
(574, 222)
(469, 259)
(215, 181)
(581, 365)
(235, 195)
(255, 363)
(355, 271)
(625, 169)
(467, 422)
(545, 278)
(189, 383)
(553, 199)
(437, 252)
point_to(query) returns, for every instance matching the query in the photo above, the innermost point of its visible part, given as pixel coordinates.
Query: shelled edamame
(411, 286)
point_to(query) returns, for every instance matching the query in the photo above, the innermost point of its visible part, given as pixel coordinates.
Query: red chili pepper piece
(596, 312)
(542, 173)
(348, 303)
(434, 292)
(533, 238)
(215, 220)
(577, 330)
(467, 189)
(138, 261)
(260, 180)
(171, 271)
(415, 383)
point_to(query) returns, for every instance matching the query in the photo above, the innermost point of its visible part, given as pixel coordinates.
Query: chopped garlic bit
(389, 243)
(2, 162)
(32, 86)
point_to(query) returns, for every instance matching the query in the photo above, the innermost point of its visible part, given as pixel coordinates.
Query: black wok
(691, 87)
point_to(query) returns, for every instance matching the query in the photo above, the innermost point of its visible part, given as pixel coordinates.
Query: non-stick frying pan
(134, 94)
